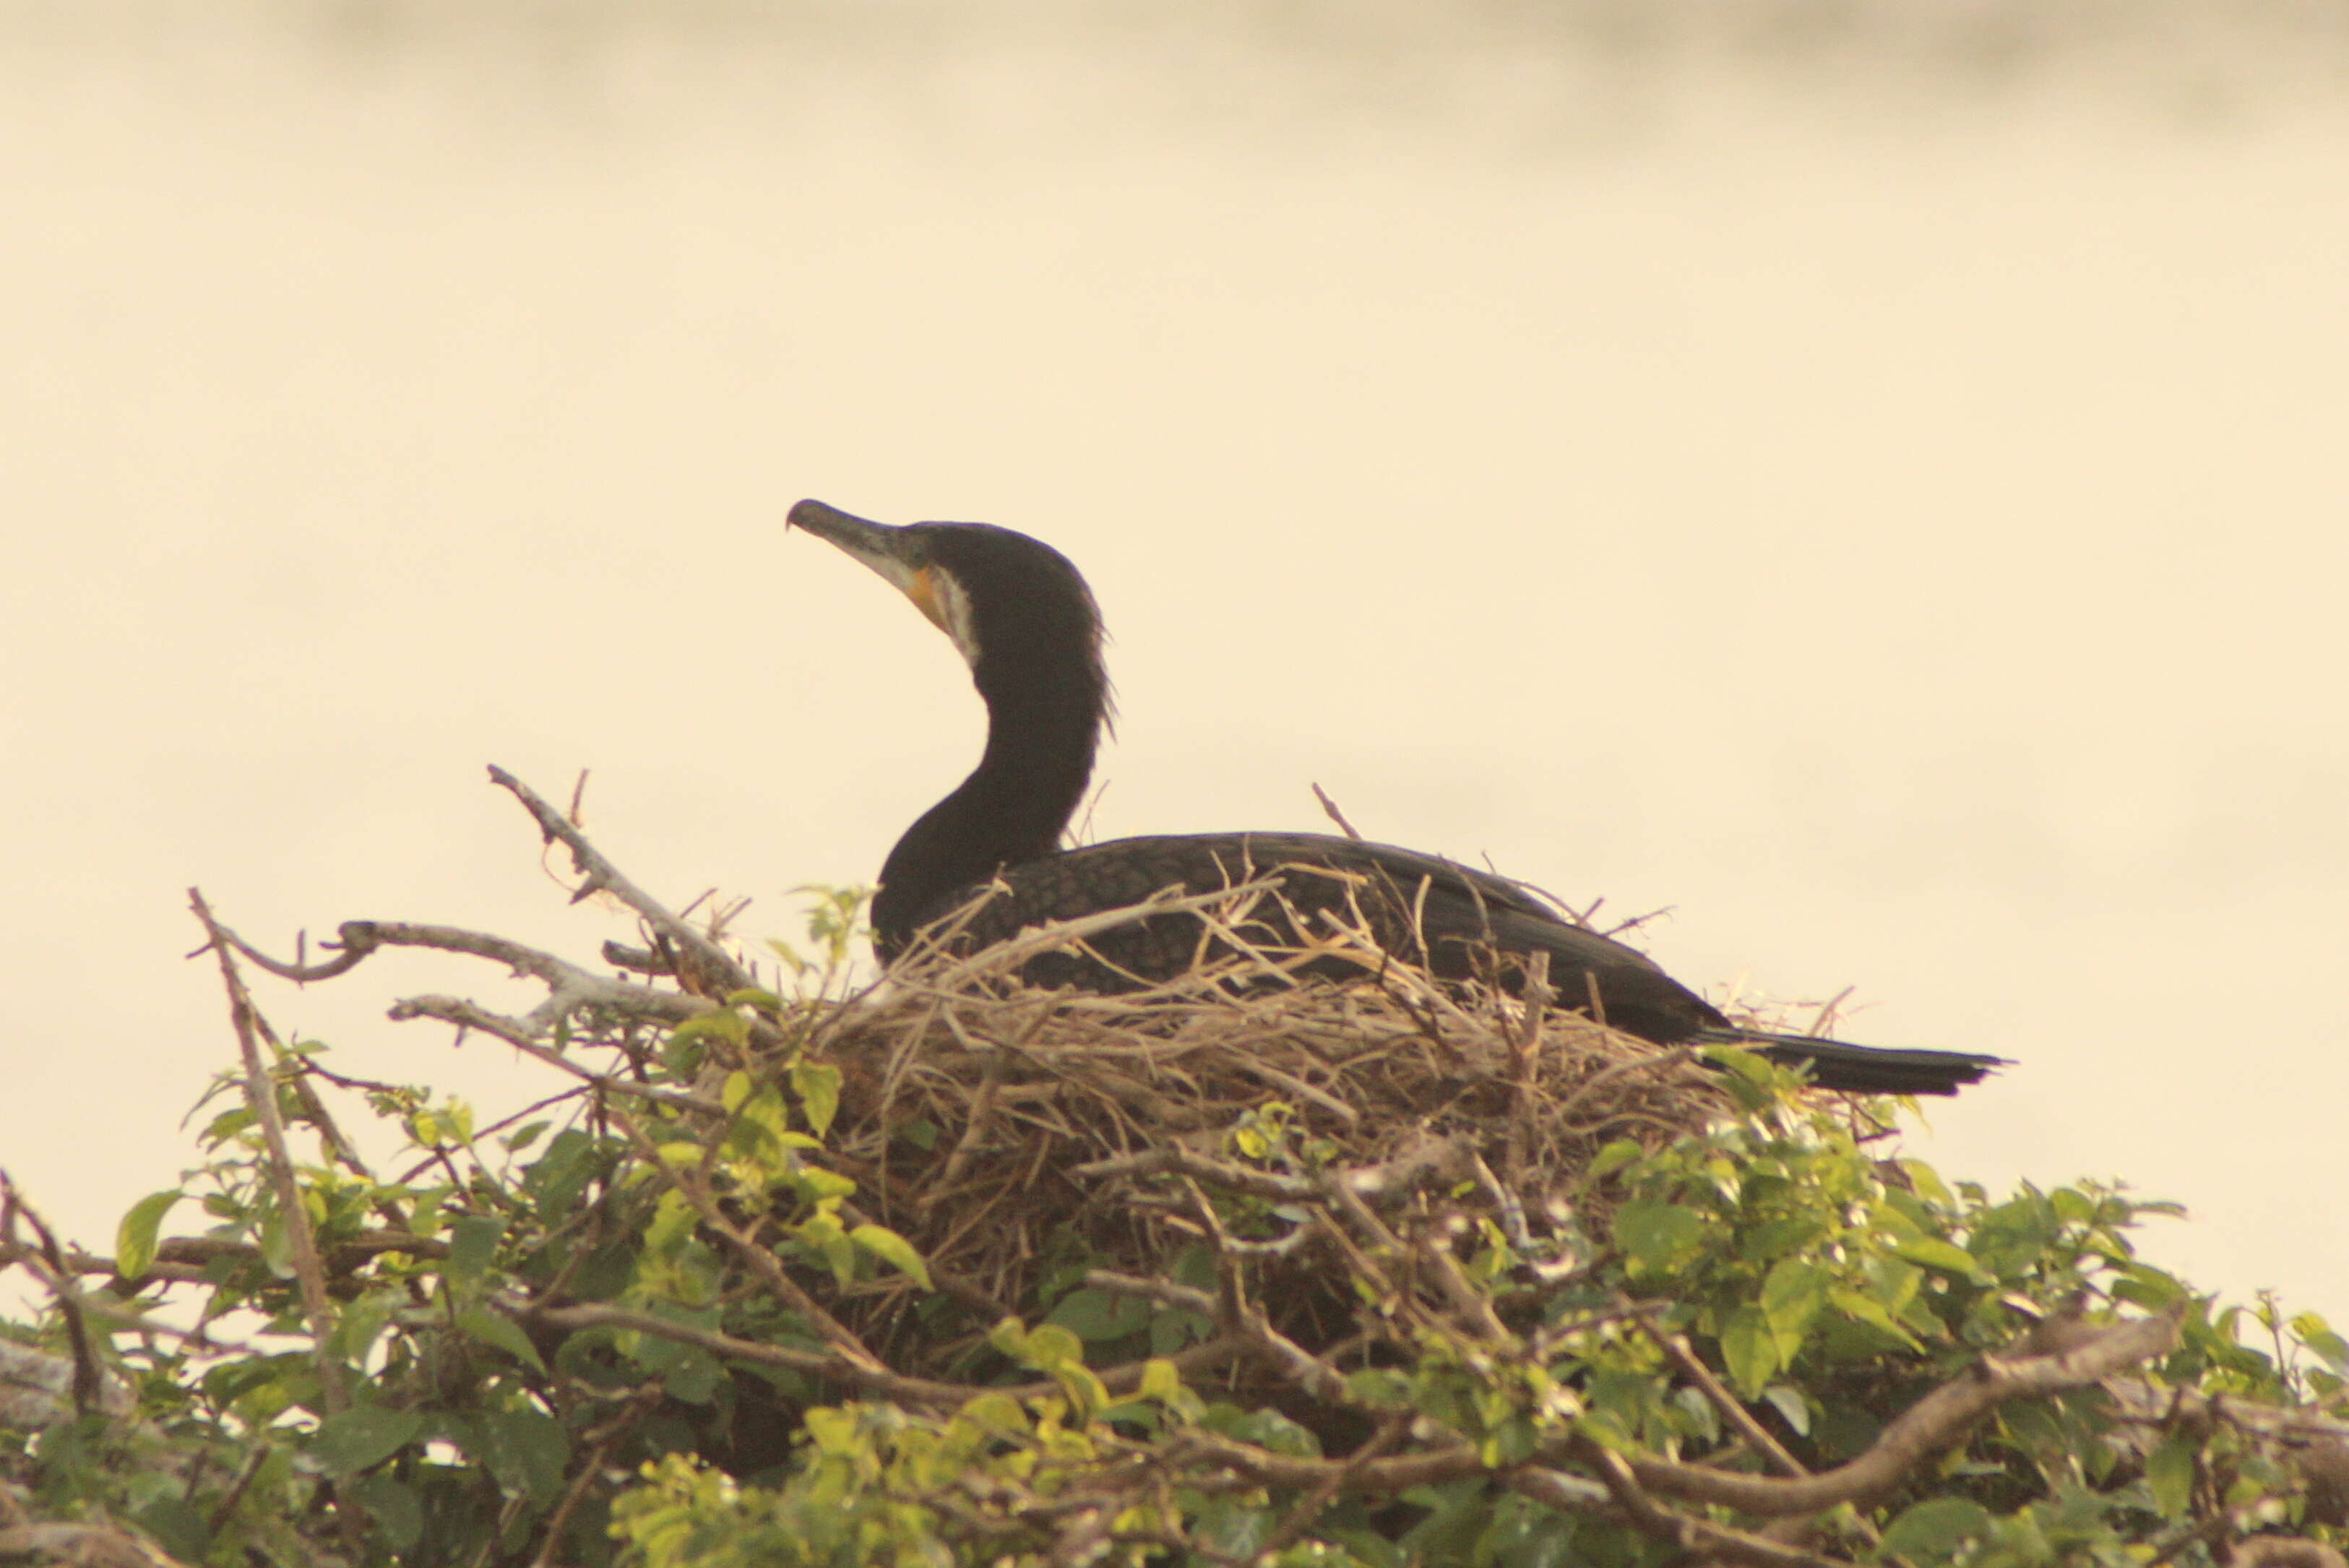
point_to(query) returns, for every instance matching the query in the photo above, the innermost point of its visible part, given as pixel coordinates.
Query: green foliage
(608, 1336)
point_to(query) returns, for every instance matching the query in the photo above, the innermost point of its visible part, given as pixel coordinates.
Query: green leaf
(1002, 1413)
(497, 1329)
(2146, 1286)
(527, 1451)
(2313, 1332)
(817, 1083)
(393, 1506)
(1871, 1311)
(1087, 1395)
(177, 1528)
(1790, 1404)
(721, 1023)
(1780, 1237)
(1382, 1386)
(2169, 1473)
(363, 1437)
(1749, 1349)
(472, 1242)
(359, 1322)
(1793, 1294)
(894, 1249)
(1094, 1315)
(1059, 1355)
(1161, 1382)
(226, 1125)
(1934, 1530)
(1927, 1183)
(1941, 1257)
(695, 1378)
(1049, 1347)
(1894, 1283)
(1612, 1158)
(1264, 1428)
(134, 1241)
(822, 1234)
(1010, 1337)
(1658, 1236)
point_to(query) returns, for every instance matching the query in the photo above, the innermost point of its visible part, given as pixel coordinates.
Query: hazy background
(1868, 475)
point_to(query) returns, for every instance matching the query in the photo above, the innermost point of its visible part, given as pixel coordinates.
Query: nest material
(1006, 1131)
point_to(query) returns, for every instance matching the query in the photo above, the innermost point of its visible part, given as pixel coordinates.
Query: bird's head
(1014, 608)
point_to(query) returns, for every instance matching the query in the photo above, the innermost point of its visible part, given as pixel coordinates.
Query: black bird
(1026, 623)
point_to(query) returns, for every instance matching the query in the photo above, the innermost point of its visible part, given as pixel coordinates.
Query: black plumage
(1024, 620)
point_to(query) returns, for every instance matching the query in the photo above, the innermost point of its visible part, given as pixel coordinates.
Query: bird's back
(1435, 912)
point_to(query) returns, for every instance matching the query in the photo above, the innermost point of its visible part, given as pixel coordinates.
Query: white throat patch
(954, 617)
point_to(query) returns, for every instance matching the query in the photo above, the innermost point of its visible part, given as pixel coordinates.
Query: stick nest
(1009, 1133)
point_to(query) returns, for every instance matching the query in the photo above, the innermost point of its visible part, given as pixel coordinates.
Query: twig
(261, 1095)
(1183, 1298)
(1559, 1114)
(1300, 1088)
(981, 1115)
(1732, 1409)
(569, 987)
(89, 1378)
(94, 1545)
(601, 876)
(927, 1392)
(1504, 1203)
(591, 1468)
(1525, 1053)
(1422, 1157)
(1003, 958)
(835, 1365)
(245, 1477)
(1330, 806)
(518, 1033)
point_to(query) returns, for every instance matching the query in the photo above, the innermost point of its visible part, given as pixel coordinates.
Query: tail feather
(1861, 1069)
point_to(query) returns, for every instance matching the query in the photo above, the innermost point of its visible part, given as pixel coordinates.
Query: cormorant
(1026, 623)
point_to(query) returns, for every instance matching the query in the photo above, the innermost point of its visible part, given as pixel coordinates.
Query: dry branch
(1924, 1429)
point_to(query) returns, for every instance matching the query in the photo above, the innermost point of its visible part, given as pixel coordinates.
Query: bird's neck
(1041, 739)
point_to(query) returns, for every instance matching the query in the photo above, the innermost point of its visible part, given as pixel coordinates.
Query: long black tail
(1861, 1069)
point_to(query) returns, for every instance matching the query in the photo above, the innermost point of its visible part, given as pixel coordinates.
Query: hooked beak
(885, 550)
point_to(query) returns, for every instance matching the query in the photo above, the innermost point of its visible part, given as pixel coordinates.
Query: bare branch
(839, 1368)
(570, 986)
(518, 1033)
(1927, 1426)
(1330, 807)
(261, 1095)
(1165, 1292)
(835, 1365)
(46, 1261)
(87, 1545)
(602, 876)
(1693, 1534)
(1423, 1157)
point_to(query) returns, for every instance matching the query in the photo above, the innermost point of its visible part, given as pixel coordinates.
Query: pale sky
(1877, 488)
